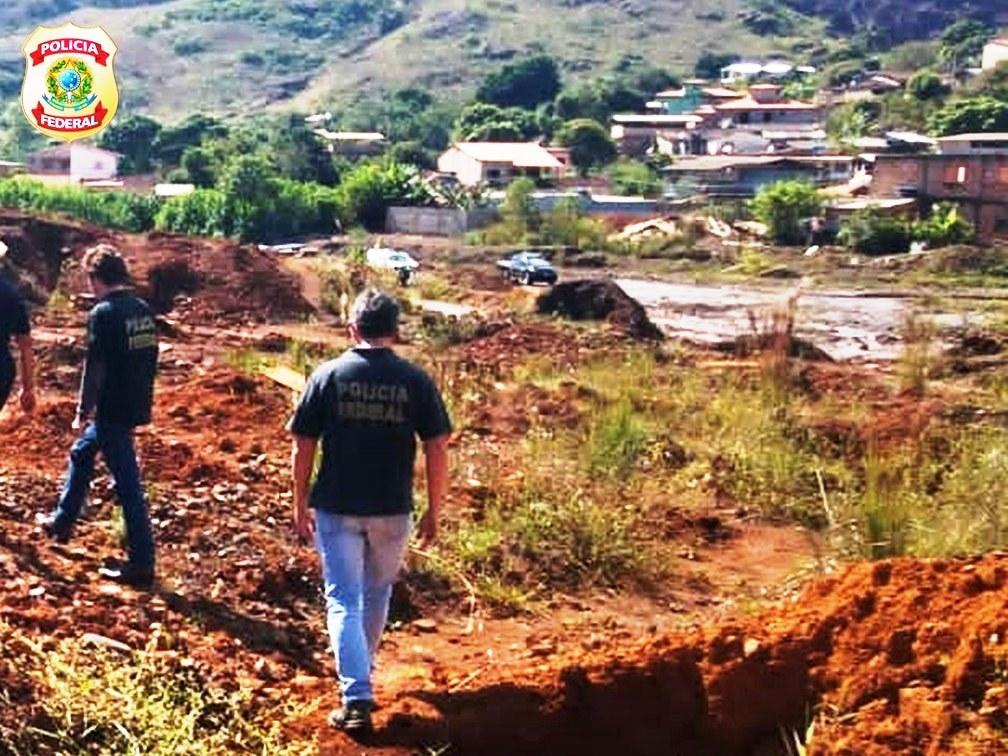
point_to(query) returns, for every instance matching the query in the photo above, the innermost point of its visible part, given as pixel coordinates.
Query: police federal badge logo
(69, 89)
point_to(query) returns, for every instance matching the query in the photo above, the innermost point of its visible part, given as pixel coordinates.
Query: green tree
(199, 166)
(601, 98)
(630, 177)
(249, 185)
(367, 192)
(17, 138)
(926, 85)
(481, 122)
(519, 208)
(784, 206)
(650, 80)
(709, 64)
(412, 153)
(133, 136)
(589, 143)
(173, 140)
(525, 83)
(298, 153)
(974, 114)
(946, 225)
(410, 114)
(963, 42)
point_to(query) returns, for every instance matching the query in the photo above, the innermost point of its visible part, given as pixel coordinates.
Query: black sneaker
(50, 526)
(354, 717)
(135, 577)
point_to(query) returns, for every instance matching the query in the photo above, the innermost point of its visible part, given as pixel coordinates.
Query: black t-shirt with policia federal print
(121, 361)
(368, 406)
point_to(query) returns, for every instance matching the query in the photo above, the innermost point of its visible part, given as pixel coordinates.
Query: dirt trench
(906, 656)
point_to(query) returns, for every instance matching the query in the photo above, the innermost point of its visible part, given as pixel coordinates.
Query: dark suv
(527, 268)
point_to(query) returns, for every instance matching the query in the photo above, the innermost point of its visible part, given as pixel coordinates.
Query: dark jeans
(115, 442)
(7, 374)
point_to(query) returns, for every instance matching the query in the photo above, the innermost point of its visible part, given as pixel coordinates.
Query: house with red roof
(498, 163)
(764, 107)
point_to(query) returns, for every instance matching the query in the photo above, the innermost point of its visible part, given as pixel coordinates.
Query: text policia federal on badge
(69, 89)
(84, 46)
(68, 124)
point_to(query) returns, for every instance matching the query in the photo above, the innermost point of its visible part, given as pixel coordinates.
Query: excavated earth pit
(904, 656)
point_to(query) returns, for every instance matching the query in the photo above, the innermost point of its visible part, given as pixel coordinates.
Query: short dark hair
(106, 264)
(375, 314)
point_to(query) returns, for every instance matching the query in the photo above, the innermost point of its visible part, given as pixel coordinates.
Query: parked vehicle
(386, 258)
(527, 268)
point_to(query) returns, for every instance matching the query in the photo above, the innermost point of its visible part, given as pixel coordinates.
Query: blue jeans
(361, 557)
(115, 442)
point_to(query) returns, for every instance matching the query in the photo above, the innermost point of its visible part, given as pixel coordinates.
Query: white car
(386, 258)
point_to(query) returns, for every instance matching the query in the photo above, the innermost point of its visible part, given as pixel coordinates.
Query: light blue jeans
(361, 558)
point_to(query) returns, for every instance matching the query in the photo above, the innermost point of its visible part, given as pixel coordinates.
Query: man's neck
(374, 344)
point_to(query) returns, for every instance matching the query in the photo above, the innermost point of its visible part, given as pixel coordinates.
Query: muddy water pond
(848, 325)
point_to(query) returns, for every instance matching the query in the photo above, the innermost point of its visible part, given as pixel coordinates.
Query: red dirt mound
(198, 279)
(37, 248)
(903, 656)
(206, 280)
(599, 300)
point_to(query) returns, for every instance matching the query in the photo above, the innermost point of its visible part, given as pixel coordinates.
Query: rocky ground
(736, 652)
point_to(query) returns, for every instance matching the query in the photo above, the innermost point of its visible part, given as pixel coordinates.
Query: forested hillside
(233, 57)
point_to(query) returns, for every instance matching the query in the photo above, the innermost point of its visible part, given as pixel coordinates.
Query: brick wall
(978, 183)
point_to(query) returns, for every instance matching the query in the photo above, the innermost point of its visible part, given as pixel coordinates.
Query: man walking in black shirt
(368, 407)
(118, 388)
(14, 323)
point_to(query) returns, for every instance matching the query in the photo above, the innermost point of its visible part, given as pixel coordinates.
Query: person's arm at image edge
(27, 358)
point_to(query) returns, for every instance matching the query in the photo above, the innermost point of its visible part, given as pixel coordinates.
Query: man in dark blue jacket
(117, 388)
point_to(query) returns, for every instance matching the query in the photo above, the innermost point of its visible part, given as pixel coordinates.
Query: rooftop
(519, 154)
(992, 137)
(749, 103)
(350, 136)
(721, 162)
(655, 120)
(64, 150)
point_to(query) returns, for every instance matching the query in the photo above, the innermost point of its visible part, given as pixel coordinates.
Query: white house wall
(90, 164)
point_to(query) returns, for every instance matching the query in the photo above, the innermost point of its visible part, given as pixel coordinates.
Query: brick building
(969, 169)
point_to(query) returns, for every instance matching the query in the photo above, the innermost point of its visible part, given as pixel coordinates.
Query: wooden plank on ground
(285, 376)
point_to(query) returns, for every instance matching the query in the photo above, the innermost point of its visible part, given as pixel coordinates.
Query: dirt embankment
(897, 657)
(196, 279)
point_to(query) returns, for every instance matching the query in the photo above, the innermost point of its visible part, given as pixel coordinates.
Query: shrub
(632, 178)
(370, 189)
(872, 233)
(616, 440)
(943, 227)
(202, 213)
(926, 85)
(783, 206)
